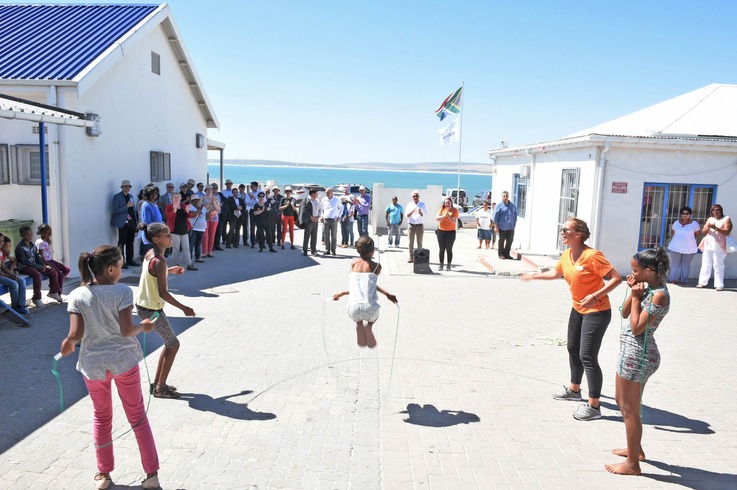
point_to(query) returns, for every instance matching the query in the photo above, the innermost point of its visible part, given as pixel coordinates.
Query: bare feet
(623, 452)
(625, 468)
(360, 336)
(370, 339)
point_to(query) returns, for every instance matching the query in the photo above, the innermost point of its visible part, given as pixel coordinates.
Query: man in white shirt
(416, 212)
(330, 209)
(251, 200)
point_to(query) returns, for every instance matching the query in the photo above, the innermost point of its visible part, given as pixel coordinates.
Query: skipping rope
(56, 374)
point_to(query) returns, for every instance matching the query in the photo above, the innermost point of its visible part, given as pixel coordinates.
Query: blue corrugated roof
(56, 42)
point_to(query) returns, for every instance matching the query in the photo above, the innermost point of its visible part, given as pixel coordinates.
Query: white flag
(449, 133)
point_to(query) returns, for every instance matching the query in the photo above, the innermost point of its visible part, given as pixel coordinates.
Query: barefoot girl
(363, 305)
(100, 314)
(646, 306)
(153, 293)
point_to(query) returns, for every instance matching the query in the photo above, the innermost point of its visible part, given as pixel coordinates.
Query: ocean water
(243, 174)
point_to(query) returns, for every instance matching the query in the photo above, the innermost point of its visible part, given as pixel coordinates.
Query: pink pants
(129, 390)
(208, 241)
(287, 222)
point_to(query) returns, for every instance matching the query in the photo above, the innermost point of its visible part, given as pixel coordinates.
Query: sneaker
(441, 267)
(191, 268)
(568, 394)
(102, 481)
(22, 310)
(151, 481)
(39, 303)
(199, 260)
(587, 412)
(56, 297)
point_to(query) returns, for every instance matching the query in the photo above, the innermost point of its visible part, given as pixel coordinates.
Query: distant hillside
(466, 167)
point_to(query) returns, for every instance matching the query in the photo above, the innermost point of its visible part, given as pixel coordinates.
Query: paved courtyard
(278, 395)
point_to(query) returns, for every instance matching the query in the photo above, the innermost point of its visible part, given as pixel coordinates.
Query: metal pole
(460, 144)
(44, 197)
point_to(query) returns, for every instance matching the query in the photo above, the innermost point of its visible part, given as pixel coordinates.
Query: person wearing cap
(363, 206)
(330, 210)
(346, 221)
(190, 187)
(261, 210)
(288, 211)
(251, 201)
(198, 223)
(277, 228)
(124, 219)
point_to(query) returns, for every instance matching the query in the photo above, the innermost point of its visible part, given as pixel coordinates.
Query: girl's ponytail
(92, 264)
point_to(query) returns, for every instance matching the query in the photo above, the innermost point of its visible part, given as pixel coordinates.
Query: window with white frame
(160, 166)
(4, 165)
(28, 165)
(661, 206)
(519, 194)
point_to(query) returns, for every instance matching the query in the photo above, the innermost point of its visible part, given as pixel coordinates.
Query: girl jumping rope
(363, 305)
(100, 314)
(153, 293)
(646, 306)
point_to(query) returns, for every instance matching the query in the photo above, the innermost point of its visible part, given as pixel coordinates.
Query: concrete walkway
(278, 395)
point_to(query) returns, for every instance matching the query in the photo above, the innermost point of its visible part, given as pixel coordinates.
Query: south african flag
(452, 104)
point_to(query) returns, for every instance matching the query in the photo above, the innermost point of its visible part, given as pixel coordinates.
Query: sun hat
(125, 183)
(362, 188)
(228, 181)
(191, 181)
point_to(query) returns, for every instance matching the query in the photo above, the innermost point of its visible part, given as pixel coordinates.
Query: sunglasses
(685, 214)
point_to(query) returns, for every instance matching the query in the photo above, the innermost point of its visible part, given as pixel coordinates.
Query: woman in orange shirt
(585, 270)
(446, 232)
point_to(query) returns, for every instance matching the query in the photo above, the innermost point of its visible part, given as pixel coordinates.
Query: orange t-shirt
(446, 224)
(586, 277)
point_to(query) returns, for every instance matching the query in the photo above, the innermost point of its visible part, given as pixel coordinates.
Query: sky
(358, 81)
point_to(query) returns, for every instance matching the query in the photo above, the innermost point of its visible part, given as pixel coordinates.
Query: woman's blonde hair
(581, 227)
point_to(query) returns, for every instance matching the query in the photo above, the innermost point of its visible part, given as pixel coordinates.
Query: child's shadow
(429, 416)
(691, 477)
(658, 418)
(222, 406)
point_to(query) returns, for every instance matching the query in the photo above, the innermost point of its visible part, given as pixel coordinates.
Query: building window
(28, 164)
(160, 166)
(519, 194)
(155, 63)
(4, 165)
(661, 206)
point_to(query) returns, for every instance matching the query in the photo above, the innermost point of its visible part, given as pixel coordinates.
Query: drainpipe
(528, 212)
(600, 178)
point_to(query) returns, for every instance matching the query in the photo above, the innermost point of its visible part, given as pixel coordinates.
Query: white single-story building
(125, 68)
(627, 178)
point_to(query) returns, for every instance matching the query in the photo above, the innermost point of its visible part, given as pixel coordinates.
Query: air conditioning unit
(524, 171)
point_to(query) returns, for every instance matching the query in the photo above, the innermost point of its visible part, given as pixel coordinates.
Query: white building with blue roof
(627, 178)
(126, 69)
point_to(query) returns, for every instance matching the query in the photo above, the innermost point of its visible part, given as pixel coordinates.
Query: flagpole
(460, 143)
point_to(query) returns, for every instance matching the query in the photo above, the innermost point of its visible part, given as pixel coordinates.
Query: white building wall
(619, 227)
(141, 112)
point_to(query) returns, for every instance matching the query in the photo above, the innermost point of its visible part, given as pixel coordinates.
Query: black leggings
(445, 242)
(585, 333)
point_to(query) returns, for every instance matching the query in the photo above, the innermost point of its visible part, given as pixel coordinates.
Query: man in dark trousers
(221, 218)
(124, 219)
(276, 197)
(310, 213)
(236, 207)
(251, 201)
(505, 219)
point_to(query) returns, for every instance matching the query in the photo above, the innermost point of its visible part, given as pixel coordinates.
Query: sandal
(165, 392)
(152, 388)
(102, 481)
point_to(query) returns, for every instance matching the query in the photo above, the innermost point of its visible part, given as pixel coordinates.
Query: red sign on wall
(619, 187)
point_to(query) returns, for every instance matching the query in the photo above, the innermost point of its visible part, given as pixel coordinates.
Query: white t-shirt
(103, 346)
(684, 240)
(484, 217)
(413, 214)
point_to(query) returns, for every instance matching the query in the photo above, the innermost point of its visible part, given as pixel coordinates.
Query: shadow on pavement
(658, 418)
(429, 416)
(29, 393)
(222, 406)
(691, 477)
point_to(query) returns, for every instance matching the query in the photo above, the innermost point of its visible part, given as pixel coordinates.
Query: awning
(28, 110)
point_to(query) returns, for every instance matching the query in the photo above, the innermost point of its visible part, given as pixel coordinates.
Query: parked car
(467, 219)
(459, 199)
(479, 199)
(339, 190)
(301, 191)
